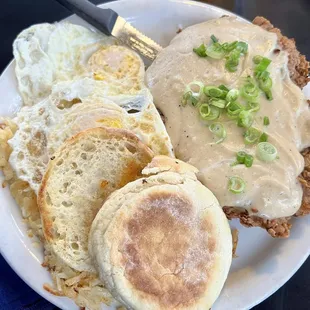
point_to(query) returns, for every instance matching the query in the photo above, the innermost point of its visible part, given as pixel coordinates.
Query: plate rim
(55, 300)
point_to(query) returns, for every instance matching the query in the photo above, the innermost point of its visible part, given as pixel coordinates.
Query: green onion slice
(232, 95)
(266, 121)
(214, 38)
(209, 113)
(204, 110)
(188, 98)
(201, 50)
(262, 65)
(241, 157)
(223, 87)
(248, 161)
(228, 47)
(236, 185)
(233, 109)
(219, 131)
(265, 84)
(213, 91)
(219, 103)
(252, 135)
(242, 47)
(232, 61)
(263, 137)
(257, 59)
(196, 87)
(268, 94)
(215, 51)
(244, 158)
(249, 90)
(265, 151)
(245, 119)
(253, 106)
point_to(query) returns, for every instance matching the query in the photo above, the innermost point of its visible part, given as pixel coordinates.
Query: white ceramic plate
(264, 264)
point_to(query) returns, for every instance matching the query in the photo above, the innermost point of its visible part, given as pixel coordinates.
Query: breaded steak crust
(299, 72)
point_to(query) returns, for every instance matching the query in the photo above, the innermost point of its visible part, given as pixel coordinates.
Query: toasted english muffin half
(79, 177)
(163, 241)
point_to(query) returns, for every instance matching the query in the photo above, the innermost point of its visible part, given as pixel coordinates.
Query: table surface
(289, 15)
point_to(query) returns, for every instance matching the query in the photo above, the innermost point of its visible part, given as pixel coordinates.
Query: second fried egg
(42, 128)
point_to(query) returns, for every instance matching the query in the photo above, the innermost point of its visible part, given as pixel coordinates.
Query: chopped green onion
(241, 157)
(266, 121)
(233, 51)
(249, 90)
(196, 90)
(268, 94)
(192, 94)
(265, 85)
(204, 110)
(244, 158)
(262, 65)
(220, 103)
(245, 119)
(209, 113)
(252, 135)
(242, 47)
(214, 113)
(233, 109)
(248, 161)
(196, 87)
(265, 151)
(257, 59)
(236, 185)
(262, 75)
(263, 137)
(223, 87)
(213, 91)
(201, 50)
(219, 131)
(232, 95)
(228, 47)
(232, 61)
(253, 106)
(214, 38)
(188, 98)
(215, 51)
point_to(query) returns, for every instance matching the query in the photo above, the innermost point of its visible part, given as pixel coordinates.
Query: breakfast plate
(262, 265)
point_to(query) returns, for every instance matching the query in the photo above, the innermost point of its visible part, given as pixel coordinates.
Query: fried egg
(42, 128)
(47, 54)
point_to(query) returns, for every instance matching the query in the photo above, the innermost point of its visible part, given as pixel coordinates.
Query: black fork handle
(102, 19)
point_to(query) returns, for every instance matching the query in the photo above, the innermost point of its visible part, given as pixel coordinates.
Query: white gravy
(272, 188)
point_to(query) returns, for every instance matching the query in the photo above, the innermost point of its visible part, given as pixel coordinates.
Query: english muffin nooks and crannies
(71, 79)
(79, 177)
(42, 128)
(163, 241)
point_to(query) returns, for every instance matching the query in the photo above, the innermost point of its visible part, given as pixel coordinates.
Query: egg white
(47, 54)
(42, 128)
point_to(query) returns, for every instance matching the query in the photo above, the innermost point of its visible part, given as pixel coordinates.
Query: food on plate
(46, 54)
(120, 225)
(79, 177)
(43, 127)
(72, 79)
(229, 94)
(163, 241)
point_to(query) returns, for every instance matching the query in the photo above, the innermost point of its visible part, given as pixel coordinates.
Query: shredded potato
(84, 288)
